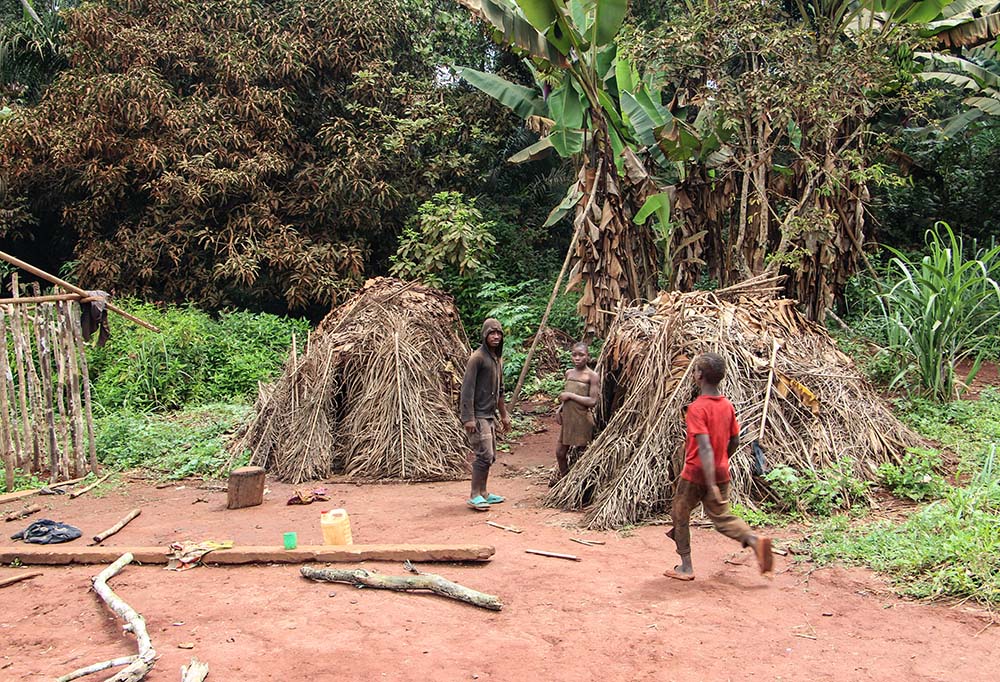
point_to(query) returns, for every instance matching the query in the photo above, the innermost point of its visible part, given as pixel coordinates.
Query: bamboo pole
(545, 319)
(81, 491)
(67, 464)
(45, 379)
(5, 440)
(88, 409)
(74, 403)
(15, 300)
(70, 287)
(35, 393)
(27, 429)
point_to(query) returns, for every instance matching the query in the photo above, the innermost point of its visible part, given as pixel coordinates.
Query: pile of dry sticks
(375, 395)
(796, 395)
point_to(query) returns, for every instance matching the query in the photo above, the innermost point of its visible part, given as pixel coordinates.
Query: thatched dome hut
(799, 398)
(374, 396)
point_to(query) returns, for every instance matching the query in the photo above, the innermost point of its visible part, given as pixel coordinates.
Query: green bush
(942, 310)
(817, 492)
(915, 477)
(194, 359)
(185, 443)
(519, 308)
(950, 548)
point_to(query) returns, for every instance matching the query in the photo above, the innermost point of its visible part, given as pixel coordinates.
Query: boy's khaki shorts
(483, 443)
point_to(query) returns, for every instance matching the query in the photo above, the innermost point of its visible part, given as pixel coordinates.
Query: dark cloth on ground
(577, 421)
(482, 384)
(46, 532)
(687, 495)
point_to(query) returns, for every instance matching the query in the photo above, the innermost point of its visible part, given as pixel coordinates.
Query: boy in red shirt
(713, 434)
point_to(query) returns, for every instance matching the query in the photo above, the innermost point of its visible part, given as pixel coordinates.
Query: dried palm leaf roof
(795, 393)
(374, 396)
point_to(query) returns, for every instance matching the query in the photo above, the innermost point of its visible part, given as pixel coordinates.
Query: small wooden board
(56, 555)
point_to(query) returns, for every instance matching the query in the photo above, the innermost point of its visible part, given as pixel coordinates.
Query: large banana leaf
(642, 115)
(984, 77)
(545, 17)
(521, 100)
(511, 27)
(608, 18)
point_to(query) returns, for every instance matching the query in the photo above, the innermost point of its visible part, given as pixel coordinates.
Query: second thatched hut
(798, 398)
(374, 396)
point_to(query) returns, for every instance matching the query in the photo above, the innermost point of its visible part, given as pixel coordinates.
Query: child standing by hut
(713, 434)
(575, 414)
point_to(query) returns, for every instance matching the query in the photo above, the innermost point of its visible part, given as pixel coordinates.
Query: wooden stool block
(246, 487)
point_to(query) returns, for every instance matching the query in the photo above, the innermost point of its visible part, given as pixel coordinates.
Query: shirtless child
(577, 400)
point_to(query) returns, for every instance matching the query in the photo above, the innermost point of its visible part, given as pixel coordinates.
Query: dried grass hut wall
(375, 396)
(795, 394)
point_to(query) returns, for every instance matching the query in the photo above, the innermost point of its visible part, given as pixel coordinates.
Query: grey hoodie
(482, 384)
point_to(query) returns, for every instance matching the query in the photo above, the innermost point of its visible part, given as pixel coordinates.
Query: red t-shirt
(714, 416)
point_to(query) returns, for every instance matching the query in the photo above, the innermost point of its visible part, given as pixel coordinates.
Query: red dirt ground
(611, 616)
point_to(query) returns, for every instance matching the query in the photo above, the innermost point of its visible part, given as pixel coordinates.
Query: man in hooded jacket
(482, 398)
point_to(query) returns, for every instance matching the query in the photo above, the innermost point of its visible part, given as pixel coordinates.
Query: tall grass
(942, 311)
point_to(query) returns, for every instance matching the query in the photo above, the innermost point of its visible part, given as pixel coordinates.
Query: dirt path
(609, 617)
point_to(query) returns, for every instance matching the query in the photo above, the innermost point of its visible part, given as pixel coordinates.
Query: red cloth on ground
(714, 416)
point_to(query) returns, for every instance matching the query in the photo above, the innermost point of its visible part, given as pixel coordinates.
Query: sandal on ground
(478, 503)
(494, 499)
(765, 558)
(677, 575)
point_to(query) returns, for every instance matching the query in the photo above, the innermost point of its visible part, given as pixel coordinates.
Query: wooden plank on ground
(61, 554)
(10, 497)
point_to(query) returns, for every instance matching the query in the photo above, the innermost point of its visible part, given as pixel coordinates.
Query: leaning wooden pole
(22, 356)
(545, 319)
(45, 378)
(88, 408)
(6, 440)
(71, 287)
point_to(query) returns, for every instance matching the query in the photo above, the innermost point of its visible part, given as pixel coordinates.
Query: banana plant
(966, 23)
(977, 72)
(579, 106)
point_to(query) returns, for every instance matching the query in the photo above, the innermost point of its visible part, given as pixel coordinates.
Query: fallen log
(60, 555)
(4, 582)
(101, 537)
(23, 513)
(81, 491)
(136, 624)
(359, 577)
(195, 671)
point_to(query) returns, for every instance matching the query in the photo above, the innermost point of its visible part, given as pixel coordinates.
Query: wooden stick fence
(46, 418)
